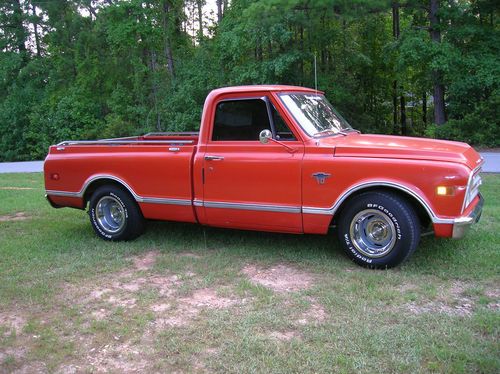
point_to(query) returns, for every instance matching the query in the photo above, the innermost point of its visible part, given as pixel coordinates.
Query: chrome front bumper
(462, 224)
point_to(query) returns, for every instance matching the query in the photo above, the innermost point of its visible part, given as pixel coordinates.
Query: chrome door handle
(214, 158)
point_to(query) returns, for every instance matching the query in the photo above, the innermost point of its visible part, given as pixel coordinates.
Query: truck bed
(156, 168)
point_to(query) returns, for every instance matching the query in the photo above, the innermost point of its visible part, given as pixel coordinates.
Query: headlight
(472, 187)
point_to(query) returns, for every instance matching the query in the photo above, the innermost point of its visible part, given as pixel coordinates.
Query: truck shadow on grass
(184, 236)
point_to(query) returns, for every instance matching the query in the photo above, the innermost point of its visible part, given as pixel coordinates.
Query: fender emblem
(321, 177)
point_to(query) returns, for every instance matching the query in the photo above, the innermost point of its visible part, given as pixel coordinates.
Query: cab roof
(259, 88)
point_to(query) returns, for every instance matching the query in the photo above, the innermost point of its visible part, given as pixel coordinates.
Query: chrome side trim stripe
(198, 203)
(161, 200)
(62, 193)
(139, 199)
(312, 210)
(255, 207)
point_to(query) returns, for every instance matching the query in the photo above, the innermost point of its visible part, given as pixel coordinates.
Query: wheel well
(425, 219)
(92, 187)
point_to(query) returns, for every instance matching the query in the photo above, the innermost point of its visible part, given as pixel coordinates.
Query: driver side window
(240, 120)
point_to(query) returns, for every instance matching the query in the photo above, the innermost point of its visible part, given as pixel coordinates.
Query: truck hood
(386, 146)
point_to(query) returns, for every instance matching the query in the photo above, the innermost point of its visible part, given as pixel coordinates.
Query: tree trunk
(404, 128)
(219, 10)
(92, 12)
(167, 48)
(35, 30)
(395, 34)
(437, 76)
(154, 89)
(199, 4)
(301, 43)
(424, 109)
(395, 107)
(20, 32)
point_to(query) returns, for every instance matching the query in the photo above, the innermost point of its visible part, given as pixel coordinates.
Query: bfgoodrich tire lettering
(378, 230)
(114, 215)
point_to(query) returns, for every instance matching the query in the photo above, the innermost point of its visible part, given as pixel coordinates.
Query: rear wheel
(378, 230)
(114, 215)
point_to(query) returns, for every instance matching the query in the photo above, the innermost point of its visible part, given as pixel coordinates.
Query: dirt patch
(188, 308)
(314, 315)
(494, 306)
(182, 318)
(207, 298)
(12, 322)
(122, 301)
(99, 293)
(120, 358)
(280, 278)
(122, 292)
(166, 286)
(100, 314)
(284, 335)
(462, 309)
(493, 293)
(100, 298)
(146, 261)
(450, 301)
(13, 353)
(19, 216)
(160, 308)
(16, 188)
(120, 289)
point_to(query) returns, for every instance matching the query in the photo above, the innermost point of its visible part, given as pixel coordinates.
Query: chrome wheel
(373, 233)
(110, 214)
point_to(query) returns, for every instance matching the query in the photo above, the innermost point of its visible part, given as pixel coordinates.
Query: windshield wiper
(328, 132)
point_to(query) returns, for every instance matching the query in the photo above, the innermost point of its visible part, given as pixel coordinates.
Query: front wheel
(378, 230)
(114, 215)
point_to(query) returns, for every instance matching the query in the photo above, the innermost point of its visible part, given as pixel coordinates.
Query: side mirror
(264, 136)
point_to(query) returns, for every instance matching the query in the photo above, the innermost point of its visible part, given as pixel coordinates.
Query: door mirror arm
(265, 136)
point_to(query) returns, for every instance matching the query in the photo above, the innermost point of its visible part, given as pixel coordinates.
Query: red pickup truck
(274, 158)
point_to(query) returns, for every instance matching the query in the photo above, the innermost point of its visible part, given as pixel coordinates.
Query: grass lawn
(183, 298)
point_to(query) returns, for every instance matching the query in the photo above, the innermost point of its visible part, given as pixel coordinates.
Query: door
(248, 184)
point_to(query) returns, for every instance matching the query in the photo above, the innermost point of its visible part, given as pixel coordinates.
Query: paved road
(21, 167)
(491, 162)
(491, 165)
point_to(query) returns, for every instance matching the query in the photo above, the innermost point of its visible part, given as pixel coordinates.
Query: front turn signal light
(445, 191)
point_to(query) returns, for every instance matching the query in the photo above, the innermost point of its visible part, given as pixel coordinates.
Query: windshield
(315, 114)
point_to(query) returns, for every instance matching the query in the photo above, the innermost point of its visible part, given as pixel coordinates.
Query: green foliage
(479, 126)
(74, 116)
(97, 69)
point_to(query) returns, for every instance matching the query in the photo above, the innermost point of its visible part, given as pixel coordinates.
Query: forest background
(86, 69)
